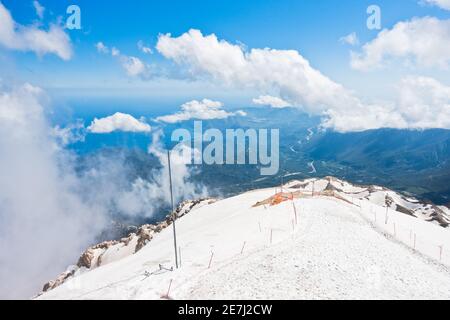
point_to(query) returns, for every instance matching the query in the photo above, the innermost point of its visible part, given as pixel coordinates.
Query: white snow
(337, 250)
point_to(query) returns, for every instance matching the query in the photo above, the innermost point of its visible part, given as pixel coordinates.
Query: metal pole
(174, 215)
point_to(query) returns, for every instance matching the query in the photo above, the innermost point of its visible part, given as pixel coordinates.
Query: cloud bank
(297, 82)
(202, 110)
(118, 122)
(424, 42)
(284, 71)
(50, 212)
(14, 36)
(43, 222)
(425, 102)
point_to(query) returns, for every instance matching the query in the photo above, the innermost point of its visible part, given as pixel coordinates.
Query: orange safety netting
(281, 197)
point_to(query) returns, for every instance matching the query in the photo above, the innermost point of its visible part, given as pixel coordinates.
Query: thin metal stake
(242, 250)
(210, 259)
(174, 215)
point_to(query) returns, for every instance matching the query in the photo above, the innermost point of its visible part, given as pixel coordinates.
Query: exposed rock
(58, 281)
(144, 234)
(86, 259)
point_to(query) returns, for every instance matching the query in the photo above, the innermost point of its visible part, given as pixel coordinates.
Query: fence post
(242, 250)
(271, 235)
(210, 259)
(295, 212)
(166, 296)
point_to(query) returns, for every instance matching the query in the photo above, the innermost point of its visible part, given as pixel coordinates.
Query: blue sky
(313, 28)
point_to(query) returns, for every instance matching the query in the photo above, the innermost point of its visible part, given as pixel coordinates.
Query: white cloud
(115, 52)
(50, 211)
(143, 48)
(274, 102)
(39, 9)
(421, 103)
(37, 198)
(118, 122)
(69, 134)
(424, 41)
(291, 75)
(268, 70)
(30, 38)
(133, 66)
(424, 102)
(101, 48)
(201, 110)
(443, 4)
(351, 39)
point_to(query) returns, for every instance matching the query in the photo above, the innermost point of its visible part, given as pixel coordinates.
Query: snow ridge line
(393, 238)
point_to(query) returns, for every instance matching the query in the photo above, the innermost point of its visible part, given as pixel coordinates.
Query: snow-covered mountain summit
(316, 238)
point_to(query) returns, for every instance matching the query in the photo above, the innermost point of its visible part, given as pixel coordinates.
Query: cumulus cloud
(421, 41)
(350, 39)
(101, 48)
(202, 110)
(144, 48)
(115, 52)
(14, 36)
(118, 122)
(39, 9)
(421, 103)
(274, 102)
(133, 66)
(268, 70)
(424, 102)
(290, 74)
(283, 71)
(443, 4)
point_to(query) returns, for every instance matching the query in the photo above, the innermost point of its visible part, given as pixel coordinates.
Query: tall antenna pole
(174, 215)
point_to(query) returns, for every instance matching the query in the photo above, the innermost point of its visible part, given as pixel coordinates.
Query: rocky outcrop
(86, 258)
(58, 281)
(145, 234)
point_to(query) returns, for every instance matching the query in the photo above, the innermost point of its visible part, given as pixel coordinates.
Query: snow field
(335, 251)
